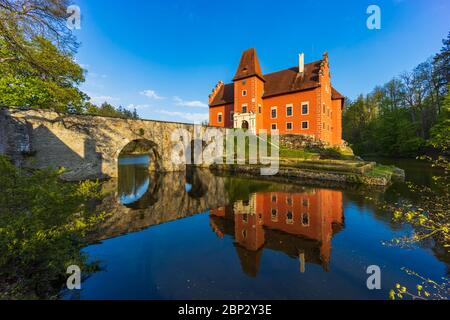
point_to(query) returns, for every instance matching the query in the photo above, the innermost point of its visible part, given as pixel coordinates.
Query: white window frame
(274, 217)
(220, 117)
(290, 221)
(292, 126)
(244, 93)
(287, 201)
(292, 110)
(301, 125)
(307, 106)
(307, 203)
(276, 112)
(272, 196)
(246, 108)
(309, 217)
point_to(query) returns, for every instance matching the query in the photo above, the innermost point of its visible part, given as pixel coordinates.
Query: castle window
(289, 111)
(244, 108)
(244, 82)
(289, 217)
(245, 218)
(289, 201)
(289, 126)
(324, 108)
(305, 202)
(244, 234)
(305, 125)
(274, 126)
(305, 220)
(244, 93)
(305, 108)
(219, 117)
(274, 215)
(274, 198)
(232, 115)
(259, 108)
(273, 112)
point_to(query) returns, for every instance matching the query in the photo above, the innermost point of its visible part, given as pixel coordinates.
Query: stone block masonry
(88, 147)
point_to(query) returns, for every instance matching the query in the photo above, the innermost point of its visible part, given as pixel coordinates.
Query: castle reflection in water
(300, 225)
(299, 222)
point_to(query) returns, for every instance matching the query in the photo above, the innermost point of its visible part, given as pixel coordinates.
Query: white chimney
(301, 62)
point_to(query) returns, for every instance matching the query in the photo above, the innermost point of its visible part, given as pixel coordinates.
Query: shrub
(43, 224)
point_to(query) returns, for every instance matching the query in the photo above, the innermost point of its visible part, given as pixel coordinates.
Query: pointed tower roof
(249, 66)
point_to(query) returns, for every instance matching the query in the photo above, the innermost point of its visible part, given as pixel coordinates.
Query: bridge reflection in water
(296, 221)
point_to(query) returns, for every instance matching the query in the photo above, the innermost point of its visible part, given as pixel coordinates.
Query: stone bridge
(86, 146)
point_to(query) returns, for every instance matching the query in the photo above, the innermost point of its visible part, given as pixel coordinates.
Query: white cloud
(100, 99)
(191, 117)
(192, 104)
(137, 106)
(151, 94)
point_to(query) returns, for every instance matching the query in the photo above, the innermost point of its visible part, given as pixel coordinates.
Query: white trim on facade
(276, 112)
(292, 126)
(301, 108)
(292, 110)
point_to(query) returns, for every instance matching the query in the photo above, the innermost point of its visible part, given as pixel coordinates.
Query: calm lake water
(198, 236)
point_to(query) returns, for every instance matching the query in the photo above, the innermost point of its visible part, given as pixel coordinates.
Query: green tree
(43, 226)
(25, 84)
(108, 110)
(440, 133)
(397, 119)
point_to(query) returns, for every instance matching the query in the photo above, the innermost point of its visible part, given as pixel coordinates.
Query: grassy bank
(323, 164)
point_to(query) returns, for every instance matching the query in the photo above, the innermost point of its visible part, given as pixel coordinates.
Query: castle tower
(248, 93)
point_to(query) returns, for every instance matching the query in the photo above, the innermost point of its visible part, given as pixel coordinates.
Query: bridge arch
(144, 147)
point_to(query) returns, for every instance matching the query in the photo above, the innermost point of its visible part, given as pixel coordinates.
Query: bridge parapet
(87, 146)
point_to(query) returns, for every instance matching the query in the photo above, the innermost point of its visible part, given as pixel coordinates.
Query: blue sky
(164, 57)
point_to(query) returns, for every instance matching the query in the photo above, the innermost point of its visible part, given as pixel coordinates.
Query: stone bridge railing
(86, 146)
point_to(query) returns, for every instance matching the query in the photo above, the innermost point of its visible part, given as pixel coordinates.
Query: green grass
(381, 171)
(297, 154)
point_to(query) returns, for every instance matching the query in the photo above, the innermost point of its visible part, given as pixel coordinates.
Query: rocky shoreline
(295, 174)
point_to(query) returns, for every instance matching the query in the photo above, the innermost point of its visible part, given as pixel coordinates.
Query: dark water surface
(198, 236)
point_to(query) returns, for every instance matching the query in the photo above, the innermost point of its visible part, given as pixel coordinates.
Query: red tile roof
(277, 83)
(290, 80)
(335, 95)
(224, 96)
(249, 66)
